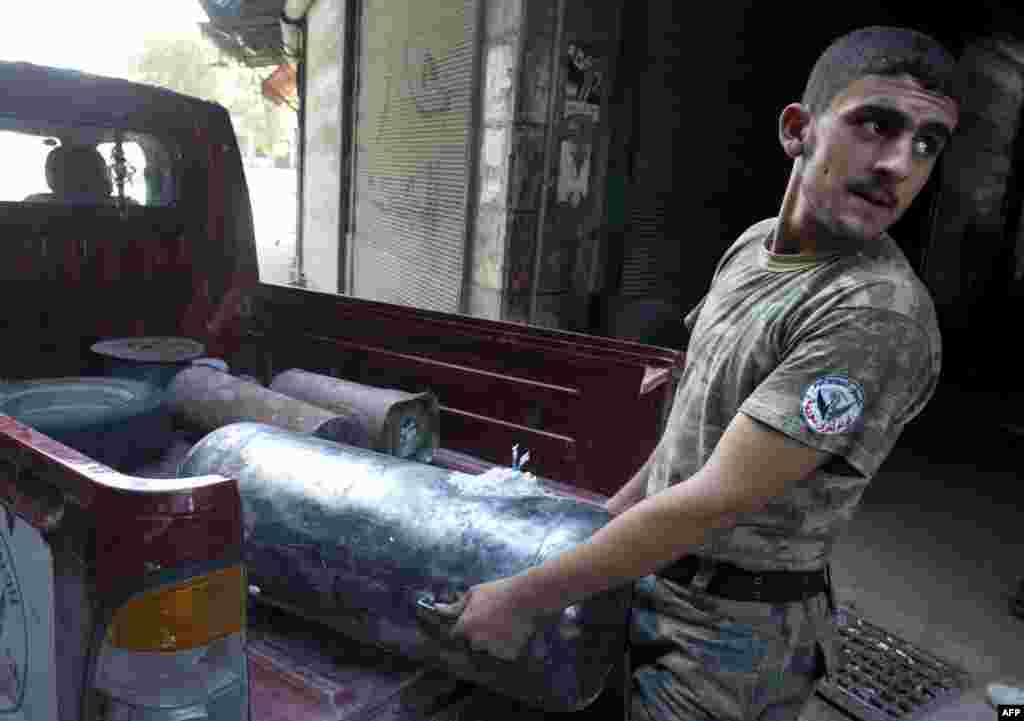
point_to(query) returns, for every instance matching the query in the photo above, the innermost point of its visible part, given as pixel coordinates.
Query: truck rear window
(81, 166)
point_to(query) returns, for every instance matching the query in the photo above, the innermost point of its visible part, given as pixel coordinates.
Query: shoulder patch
(832, 404)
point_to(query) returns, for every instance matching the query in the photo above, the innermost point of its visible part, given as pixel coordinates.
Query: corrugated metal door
(411, 172)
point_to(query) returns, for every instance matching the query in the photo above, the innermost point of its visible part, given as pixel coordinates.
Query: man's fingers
(507, 652)
(457, 633)
(454, 610)
(507, 649)
(504, 649)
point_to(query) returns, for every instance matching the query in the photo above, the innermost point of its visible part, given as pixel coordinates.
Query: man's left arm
(751, 465)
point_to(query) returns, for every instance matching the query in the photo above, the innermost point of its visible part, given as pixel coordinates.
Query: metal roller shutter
(411, 172)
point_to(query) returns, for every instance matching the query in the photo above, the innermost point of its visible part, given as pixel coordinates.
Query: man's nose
(896, 158)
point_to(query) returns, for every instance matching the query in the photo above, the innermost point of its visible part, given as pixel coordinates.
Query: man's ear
(794, 129)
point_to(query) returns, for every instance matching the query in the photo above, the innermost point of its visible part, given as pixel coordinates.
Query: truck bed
(301, 669)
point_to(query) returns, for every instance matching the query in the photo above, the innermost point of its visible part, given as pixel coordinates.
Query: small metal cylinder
(206, 398)
(367, 543)
(154, 359)
(402, 424)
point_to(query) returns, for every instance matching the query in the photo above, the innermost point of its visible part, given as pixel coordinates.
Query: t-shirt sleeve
(849, 384)
(690, 319)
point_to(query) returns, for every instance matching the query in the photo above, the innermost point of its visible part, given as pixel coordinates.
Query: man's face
(867, 157)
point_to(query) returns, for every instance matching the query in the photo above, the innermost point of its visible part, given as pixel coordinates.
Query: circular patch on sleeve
(832, 404)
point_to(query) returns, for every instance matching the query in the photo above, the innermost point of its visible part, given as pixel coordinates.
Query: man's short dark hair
(879, 51)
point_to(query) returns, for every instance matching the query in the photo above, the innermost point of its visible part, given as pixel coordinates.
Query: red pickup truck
(123, 591)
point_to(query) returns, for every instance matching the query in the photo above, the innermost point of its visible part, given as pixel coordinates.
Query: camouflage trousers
(697, 657)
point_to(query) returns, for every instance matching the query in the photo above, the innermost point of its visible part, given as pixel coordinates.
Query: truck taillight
(177, 652)
(184, 615)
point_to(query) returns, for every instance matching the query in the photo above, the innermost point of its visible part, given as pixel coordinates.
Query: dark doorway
(695, 112)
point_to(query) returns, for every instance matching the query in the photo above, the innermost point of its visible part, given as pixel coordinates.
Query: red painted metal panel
(515, 354)
(536, 334)
(26, 264)
(509, 398)
(138, 520)
(104, 272)
(106, 284)
(495, 379)
(36, 511)
(498, 335)
(492, 439)
(215, 192)
(128, 540)
(71, 267)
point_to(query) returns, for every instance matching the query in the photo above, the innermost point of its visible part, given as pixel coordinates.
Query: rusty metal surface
(304, 670)
(882, 677)
(406, 425)
(207, 399)
(155, 349)
(365, 542)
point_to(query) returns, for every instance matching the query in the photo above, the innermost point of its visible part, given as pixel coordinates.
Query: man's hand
(490, 620)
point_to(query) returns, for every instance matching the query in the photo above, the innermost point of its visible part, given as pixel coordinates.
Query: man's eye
(926, 147)
(874, 127)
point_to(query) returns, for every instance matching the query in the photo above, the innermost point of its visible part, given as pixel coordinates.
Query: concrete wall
(501, 58)
(322, 188)
(520, 85)
(536, 82)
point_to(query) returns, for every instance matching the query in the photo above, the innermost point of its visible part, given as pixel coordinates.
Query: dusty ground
(938, 545)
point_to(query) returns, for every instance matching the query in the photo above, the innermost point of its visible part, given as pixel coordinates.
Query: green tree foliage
(190, 64)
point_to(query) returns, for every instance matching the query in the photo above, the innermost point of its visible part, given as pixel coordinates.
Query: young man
(814, 347)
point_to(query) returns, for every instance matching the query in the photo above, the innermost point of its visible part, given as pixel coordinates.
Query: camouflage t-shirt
(839, 354)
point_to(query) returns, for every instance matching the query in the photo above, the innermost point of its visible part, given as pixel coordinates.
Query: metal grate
(881, 677)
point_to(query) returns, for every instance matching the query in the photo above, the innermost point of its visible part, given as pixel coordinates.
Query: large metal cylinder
(401, 424)
(366, 543)
(207, 399)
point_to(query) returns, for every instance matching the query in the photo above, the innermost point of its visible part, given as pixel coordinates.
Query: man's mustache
(873, 190)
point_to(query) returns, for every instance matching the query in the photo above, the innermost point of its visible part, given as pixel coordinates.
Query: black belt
(739, 584)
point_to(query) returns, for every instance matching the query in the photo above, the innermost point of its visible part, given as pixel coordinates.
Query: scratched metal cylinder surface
(366, 543)
(206, 398)
(401, 424)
